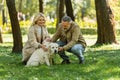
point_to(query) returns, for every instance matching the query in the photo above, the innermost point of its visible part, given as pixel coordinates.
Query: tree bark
(3, 17)
(60, 10)
(20, 6)
(69, 9)
(17, 38)
(1, 40)
(41, 6)
(106, 24)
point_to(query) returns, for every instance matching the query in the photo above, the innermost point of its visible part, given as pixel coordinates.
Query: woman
(37, 33)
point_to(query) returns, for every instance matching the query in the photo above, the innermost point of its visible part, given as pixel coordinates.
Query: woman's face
(41, 21)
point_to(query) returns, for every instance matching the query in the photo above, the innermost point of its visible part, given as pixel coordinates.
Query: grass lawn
(101, 63)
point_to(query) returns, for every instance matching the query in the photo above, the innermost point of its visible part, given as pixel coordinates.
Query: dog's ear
(50, 44)
(58, 45)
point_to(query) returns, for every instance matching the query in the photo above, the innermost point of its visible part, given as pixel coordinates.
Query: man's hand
(60, 49)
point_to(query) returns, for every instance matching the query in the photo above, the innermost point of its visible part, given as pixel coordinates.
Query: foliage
(87, 23)
(115, 6)
(101, 63)
(0, 21)
(86, 27)
(30, 7)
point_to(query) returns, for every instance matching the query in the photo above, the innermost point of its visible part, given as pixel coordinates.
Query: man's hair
(66, 19)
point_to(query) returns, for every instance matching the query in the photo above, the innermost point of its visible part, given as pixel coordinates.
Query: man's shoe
(24, 62)
(65, 62)
(81, 61)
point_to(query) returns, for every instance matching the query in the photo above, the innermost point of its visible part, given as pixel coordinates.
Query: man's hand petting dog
(60, 49)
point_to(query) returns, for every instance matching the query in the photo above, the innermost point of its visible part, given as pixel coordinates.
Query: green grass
(101, 63)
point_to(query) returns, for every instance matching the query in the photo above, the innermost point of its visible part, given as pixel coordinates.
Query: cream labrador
(43, 57)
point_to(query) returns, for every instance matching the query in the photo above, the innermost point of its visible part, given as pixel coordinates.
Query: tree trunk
(69, 9)
(41, 6)
(60, 10)
(1, 40)
(17, 39)
(3, 17)
(106, 24)
(20, 6)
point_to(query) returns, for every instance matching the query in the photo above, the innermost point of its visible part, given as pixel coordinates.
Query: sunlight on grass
(108, 47)
(90, 40)
(7, 38)
(113, 69)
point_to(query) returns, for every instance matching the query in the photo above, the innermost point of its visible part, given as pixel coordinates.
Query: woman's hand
(48, 39)
(44, 47)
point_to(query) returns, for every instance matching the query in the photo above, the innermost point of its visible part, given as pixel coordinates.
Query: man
(70, 39)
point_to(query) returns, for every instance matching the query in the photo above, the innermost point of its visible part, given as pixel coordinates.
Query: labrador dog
(43, 57)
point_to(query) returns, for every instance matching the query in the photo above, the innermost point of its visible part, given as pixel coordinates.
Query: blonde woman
(37, 33)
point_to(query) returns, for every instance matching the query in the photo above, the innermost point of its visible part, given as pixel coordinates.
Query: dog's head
(53, 47)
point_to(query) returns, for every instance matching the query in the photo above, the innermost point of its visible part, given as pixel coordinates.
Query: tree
(60, 10)
(20, 6)
(41, 6)
(69, 9)
(105, 21)
(1, 40)
(3, 19)
(17, 39)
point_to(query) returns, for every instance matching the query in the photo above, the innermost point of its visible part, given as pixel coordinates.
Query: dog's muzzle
(56, 51)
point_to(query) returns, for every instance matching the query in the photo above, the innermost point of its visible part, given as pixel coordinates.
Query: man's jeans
(77, 50)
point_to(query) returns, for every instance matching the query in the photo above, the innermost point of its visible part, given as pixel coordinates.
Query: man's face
(65, 24)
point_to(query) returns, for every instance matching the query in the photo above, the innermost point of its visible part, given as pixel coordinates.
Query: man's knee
(77, 47)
